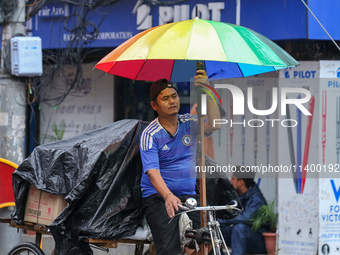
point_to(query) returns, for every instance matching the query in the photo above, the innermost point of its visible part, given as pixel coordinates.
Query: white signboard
(298, 149)
(329, 182)
(248, 140)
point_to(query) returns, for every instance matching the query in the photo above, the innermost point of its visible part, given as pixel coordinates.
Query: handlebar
(211, 208)
(190, 206)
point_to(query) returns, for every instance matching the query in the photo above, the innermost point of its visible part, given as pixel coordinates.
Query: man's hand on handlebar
(171, 204)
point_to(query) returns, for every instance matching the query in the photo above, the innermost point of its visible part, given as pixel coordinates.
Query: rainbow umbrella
(171, 51)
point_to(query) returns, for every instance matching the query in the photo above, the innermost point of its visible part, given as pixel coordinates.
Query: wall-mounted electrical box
(26, 56)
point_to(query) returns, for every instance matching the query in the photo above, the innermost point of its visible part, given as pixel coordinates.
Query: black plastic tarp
(99, 174)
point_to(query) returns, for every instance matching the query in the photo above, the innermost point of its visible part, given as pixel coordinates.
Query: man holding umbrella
(166, 155)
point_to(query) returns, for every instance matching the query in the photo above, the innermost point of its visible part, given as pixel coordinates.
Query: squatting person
(237, 232)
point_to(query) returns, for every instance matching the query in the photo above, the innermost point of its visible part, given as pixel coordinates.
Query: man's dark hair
(244, 174)
(156, 88)
(325, 246)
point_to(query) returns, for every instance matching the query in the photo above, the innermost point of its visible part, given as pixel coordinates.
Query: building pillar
(12, 93)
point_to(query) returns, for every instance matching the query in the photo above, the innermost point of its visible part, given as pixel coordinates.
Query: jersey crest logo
(186, 140)
(165, 148)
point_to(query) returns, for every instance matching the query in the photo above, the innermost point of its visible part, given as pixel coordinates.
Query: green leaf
(265, 215)
(59, 131)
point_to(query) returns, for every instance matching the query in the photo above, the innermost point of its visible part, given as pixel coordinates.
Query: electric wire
(34, 8)
(62, 78)
(321, 24)
(62, 75)
(8, 8)
(58, 64)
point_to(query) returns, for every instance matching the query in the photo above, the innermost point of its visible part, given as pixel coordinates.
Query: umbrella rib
(240, 69)
(270, 46)
(112, 67)
(172, 70)
(249, 45)
(140, 69)
(186, 54)
(220, 41)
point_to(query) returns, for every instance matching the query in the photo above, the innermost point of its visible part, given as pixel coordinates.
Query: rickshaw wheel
(26, 248)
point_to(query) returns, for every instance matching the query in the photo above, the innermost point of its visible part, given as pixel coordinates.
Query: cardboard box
(41, 207)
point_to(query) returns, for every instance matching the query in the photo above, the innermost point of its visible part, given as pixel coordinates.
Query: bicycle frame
(213, 225)
(215, 233)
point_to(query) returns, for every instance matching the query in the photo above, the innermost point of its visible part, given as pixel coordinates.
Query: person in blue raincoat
(237, 232)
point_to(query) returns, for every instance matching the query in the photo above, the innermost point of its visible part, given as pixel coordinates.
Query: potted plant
(266, 216)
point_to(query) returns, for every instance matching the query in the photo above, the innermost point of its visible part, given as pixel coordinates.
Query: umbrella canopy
(171, 51)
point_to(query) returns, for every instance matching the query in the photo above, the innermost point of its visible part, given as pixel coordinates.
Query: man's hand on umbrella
(201, 78)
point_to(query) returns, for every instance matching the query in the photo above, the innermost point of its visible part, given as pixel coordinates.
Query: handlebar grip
(183, 207)
(234, 205)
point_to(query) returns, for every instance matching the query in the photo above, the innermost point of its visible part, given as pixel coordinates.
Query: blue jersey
(171, 154)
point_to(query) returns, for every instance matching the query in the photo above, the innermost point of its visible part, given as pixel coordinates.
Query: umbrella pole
(201, 155)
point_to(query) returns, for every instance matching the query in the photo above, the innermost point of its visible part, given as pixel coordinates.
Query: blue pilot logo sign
(186, 140)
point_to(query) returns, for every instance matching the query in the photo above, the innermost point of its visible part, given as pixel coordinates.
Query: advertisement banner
(298, 149)
(63, 25)
(329, 183)
(248, 140)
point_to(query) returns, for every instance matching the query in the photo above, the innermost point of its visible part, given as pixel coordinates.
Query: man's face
(234, 181)
(236, 184)
(324, 250)
(167, 102)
